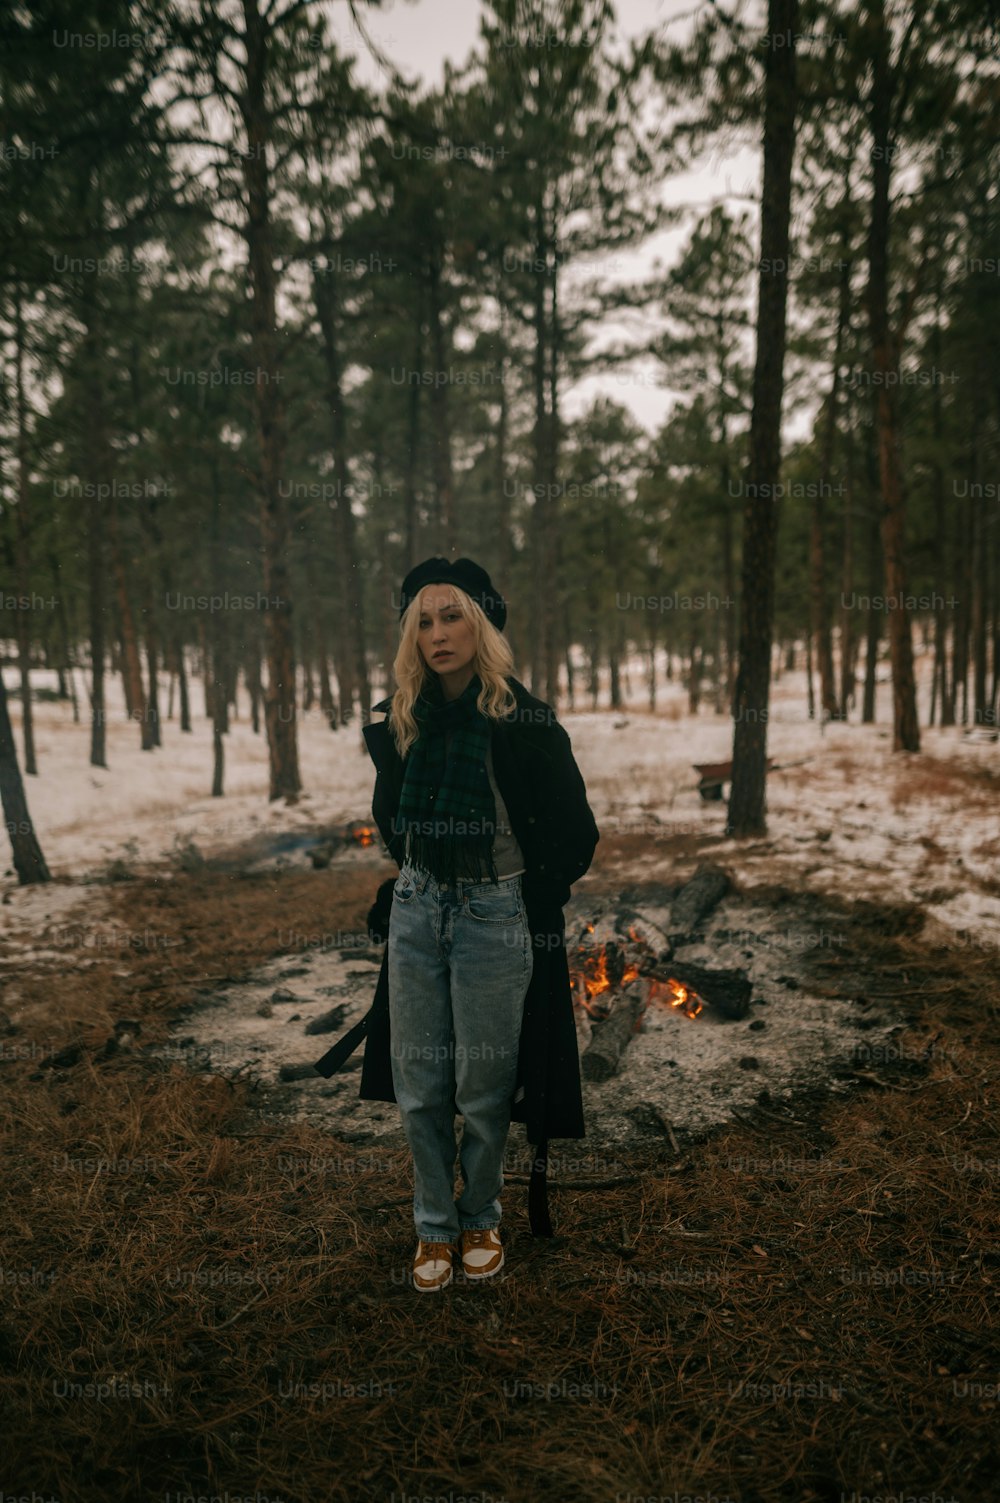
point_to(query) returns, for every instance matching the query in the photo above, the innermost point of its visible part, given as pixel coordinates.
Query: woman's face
(445, 638)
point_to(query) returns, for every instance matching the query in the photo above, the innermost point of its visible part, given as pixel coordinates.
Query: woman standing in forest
(481, 804)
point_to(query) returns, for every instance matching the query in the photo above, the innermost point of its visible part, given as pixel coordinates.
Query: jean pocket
(495, 907)
(403, 890)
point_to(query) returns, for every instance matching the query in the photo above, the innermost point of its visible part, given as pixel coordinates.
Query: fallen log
(697, 898)
(611, 1037)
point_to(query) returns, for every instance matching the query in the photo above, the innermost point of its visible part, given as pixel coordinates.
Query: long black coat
(546, 800)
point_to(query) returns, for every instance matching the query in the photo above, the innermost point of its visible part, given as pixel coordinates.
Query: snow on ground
(851, 818)
(845, 817)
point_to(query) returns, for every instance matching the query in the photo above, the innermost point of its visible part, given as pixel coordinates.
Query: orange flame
(589, 978)
(678, 996)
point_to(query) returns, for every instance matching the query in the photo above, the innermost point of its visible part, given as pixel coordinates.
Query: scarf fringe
(447, 860)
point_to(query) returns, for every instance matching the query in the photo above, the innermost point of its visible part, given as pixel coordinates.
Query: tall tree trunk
(694, 675)
(874, 630)
(319, 637)
(95, 581)
(384, 552)
(544, 493)
(152, 636)
(219, 677)
(651, 650)
(847, 633)
(62, 624)
(962, 555)
(441, 467)
(504, 534)
(729, 587)
(252, 673)
(594, 649)
(940, 534)
(279, 709)
(23, 615)
(820, 608)
(747, 801)
(411, 524)
(554, 593)
(131, 663)
(995, 687)
(885, 366)
(980, 591)
(29, 863)
(351, 578)
(154, 688)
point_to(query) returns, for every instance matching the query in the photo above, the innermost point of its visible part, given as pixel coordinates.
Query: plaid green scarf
(446, 806)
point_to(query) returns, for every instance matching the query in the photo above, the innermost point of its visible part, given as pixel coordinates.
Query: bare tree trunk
(694, 677)
(651, 649)
(729, 586)
(412, 521)
(980, 590)
(279, 710)
(131, 665)
(885, 361)
(29, 863)
(95, 566)
(554, 593)
(594, 650)
(747, 802)
(23, 616)
(504, 533)
(182, 685)
(252, 672)
(847, 633)
(308, 689)
(820, 608)
(319, 643)
(873, 628)
(543, 528)
(441, 467)
(995, 688)
(351, 579)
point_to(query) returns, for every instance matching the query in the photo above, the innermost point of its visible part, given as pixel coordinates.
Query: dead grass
(935, 778)
(228, 1266)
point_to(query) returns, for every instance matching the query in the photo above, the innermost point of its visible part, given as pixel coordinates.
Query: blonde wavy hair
(493, 660)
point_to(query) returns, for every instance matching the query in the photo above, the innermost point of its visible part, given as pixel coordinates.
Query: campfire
(619, 968)
(355, 832)
(596, 972)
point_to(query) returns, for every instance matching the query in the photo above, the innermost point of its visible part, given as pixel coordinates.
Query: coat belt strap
(343, 1048)
(538, 1194)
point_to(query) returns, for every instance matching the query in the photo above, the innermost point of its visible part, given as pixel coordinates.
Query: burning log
(728, 992)
(613, 1034)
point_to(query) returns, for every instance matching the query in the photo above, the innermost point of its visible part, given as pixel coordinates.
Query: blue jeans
(460, 960)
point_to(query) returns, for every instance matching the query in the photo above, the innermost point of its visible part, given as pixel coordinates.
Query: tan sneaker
(482, 1253)
(432, 1266)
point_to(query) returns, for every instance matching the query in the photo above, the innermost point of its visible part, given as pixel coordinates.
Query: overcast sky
(418, 37)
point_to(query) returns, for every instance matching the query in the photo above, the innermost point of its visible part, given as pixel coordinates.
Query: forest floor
(203, 1295)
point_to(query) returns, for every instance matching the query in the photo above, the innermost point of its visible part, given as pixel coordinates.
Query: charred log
(611, 1036)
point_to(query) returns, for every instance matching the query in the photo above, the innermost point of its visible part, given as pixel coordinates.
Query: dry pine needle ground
(791, 1310)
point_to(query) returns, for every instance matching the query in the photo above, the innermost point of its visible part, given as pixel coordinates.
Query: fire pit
(694, 1004)
(620, 968)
